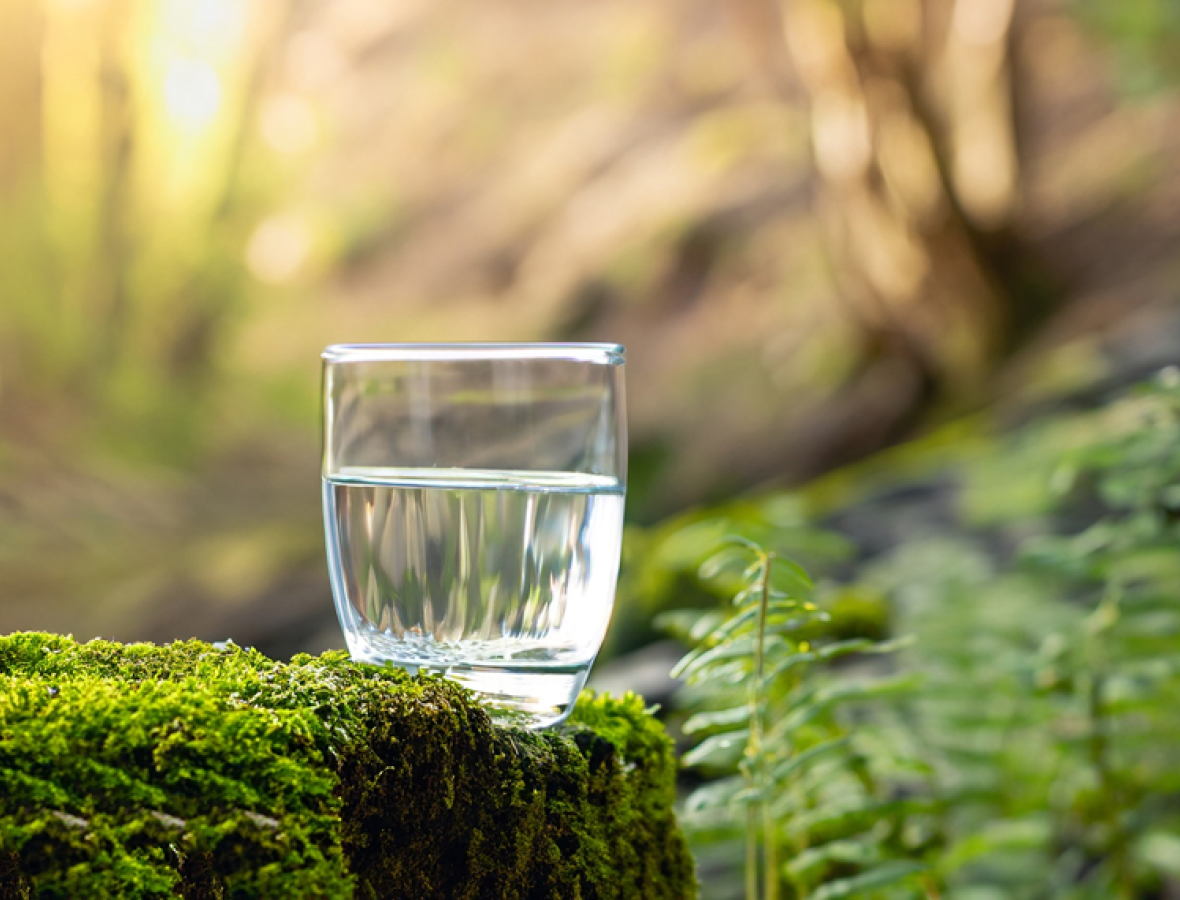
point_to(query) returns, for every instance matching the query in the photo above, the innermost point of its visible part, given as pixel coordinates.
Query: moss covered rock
(202, 771)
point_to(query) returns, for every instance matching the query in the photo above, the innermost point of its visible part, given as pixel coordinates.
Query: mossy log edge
(205, 771)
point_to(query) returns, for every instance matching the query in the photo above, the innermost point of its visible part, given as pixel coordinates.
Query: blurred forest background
(821, 228)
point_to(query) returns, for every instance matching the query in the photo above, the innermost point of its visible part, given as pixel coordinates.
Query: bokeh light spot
(278, 249)
(289, 124)
(313, 60)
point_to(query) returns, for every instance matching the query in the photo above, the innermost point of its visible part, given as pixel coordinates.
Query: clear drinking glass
(473, 504)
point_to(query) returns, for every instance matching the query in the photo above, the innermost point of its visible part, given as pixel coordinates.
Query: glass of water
(473, 504)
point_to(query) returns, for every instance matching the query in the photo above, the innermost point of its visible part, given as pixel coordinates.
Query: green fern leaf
(886, 874)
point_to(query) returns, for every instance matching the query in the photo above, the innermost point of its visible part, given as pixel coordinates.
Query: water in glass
(503, 580)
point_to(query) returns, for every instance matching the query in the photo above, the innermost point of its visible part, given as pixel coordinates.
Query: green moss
(194, 771)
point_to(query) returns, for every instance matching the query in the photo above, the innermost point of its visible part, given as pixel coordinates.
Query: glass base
(532, 698)
(529, 694)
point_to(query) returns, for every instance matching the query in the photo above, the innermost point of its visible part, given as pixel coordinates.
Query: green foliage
(198, 771)
(1053, 678)
(1020, 746)
(805, 787)
(660, 570)
(1145, 35)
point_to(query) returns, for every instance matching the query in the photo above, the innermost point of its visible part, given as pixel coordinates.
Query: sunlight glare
(192, 92)
(210, 25)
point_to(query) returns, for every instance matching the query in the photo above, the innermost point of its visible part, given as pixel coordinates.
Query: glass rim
(600, 353)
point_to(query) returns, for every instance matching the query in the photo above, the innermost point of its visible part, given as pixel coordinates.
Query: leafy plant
(794, 784)
(1051, 674)
(1020, 747)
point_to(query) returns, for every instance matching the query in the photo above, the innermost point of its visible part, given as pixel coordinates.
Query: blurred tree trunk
(99, 314)
(911, 104)
(208, 303)
(21, 25)
(110, 303)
